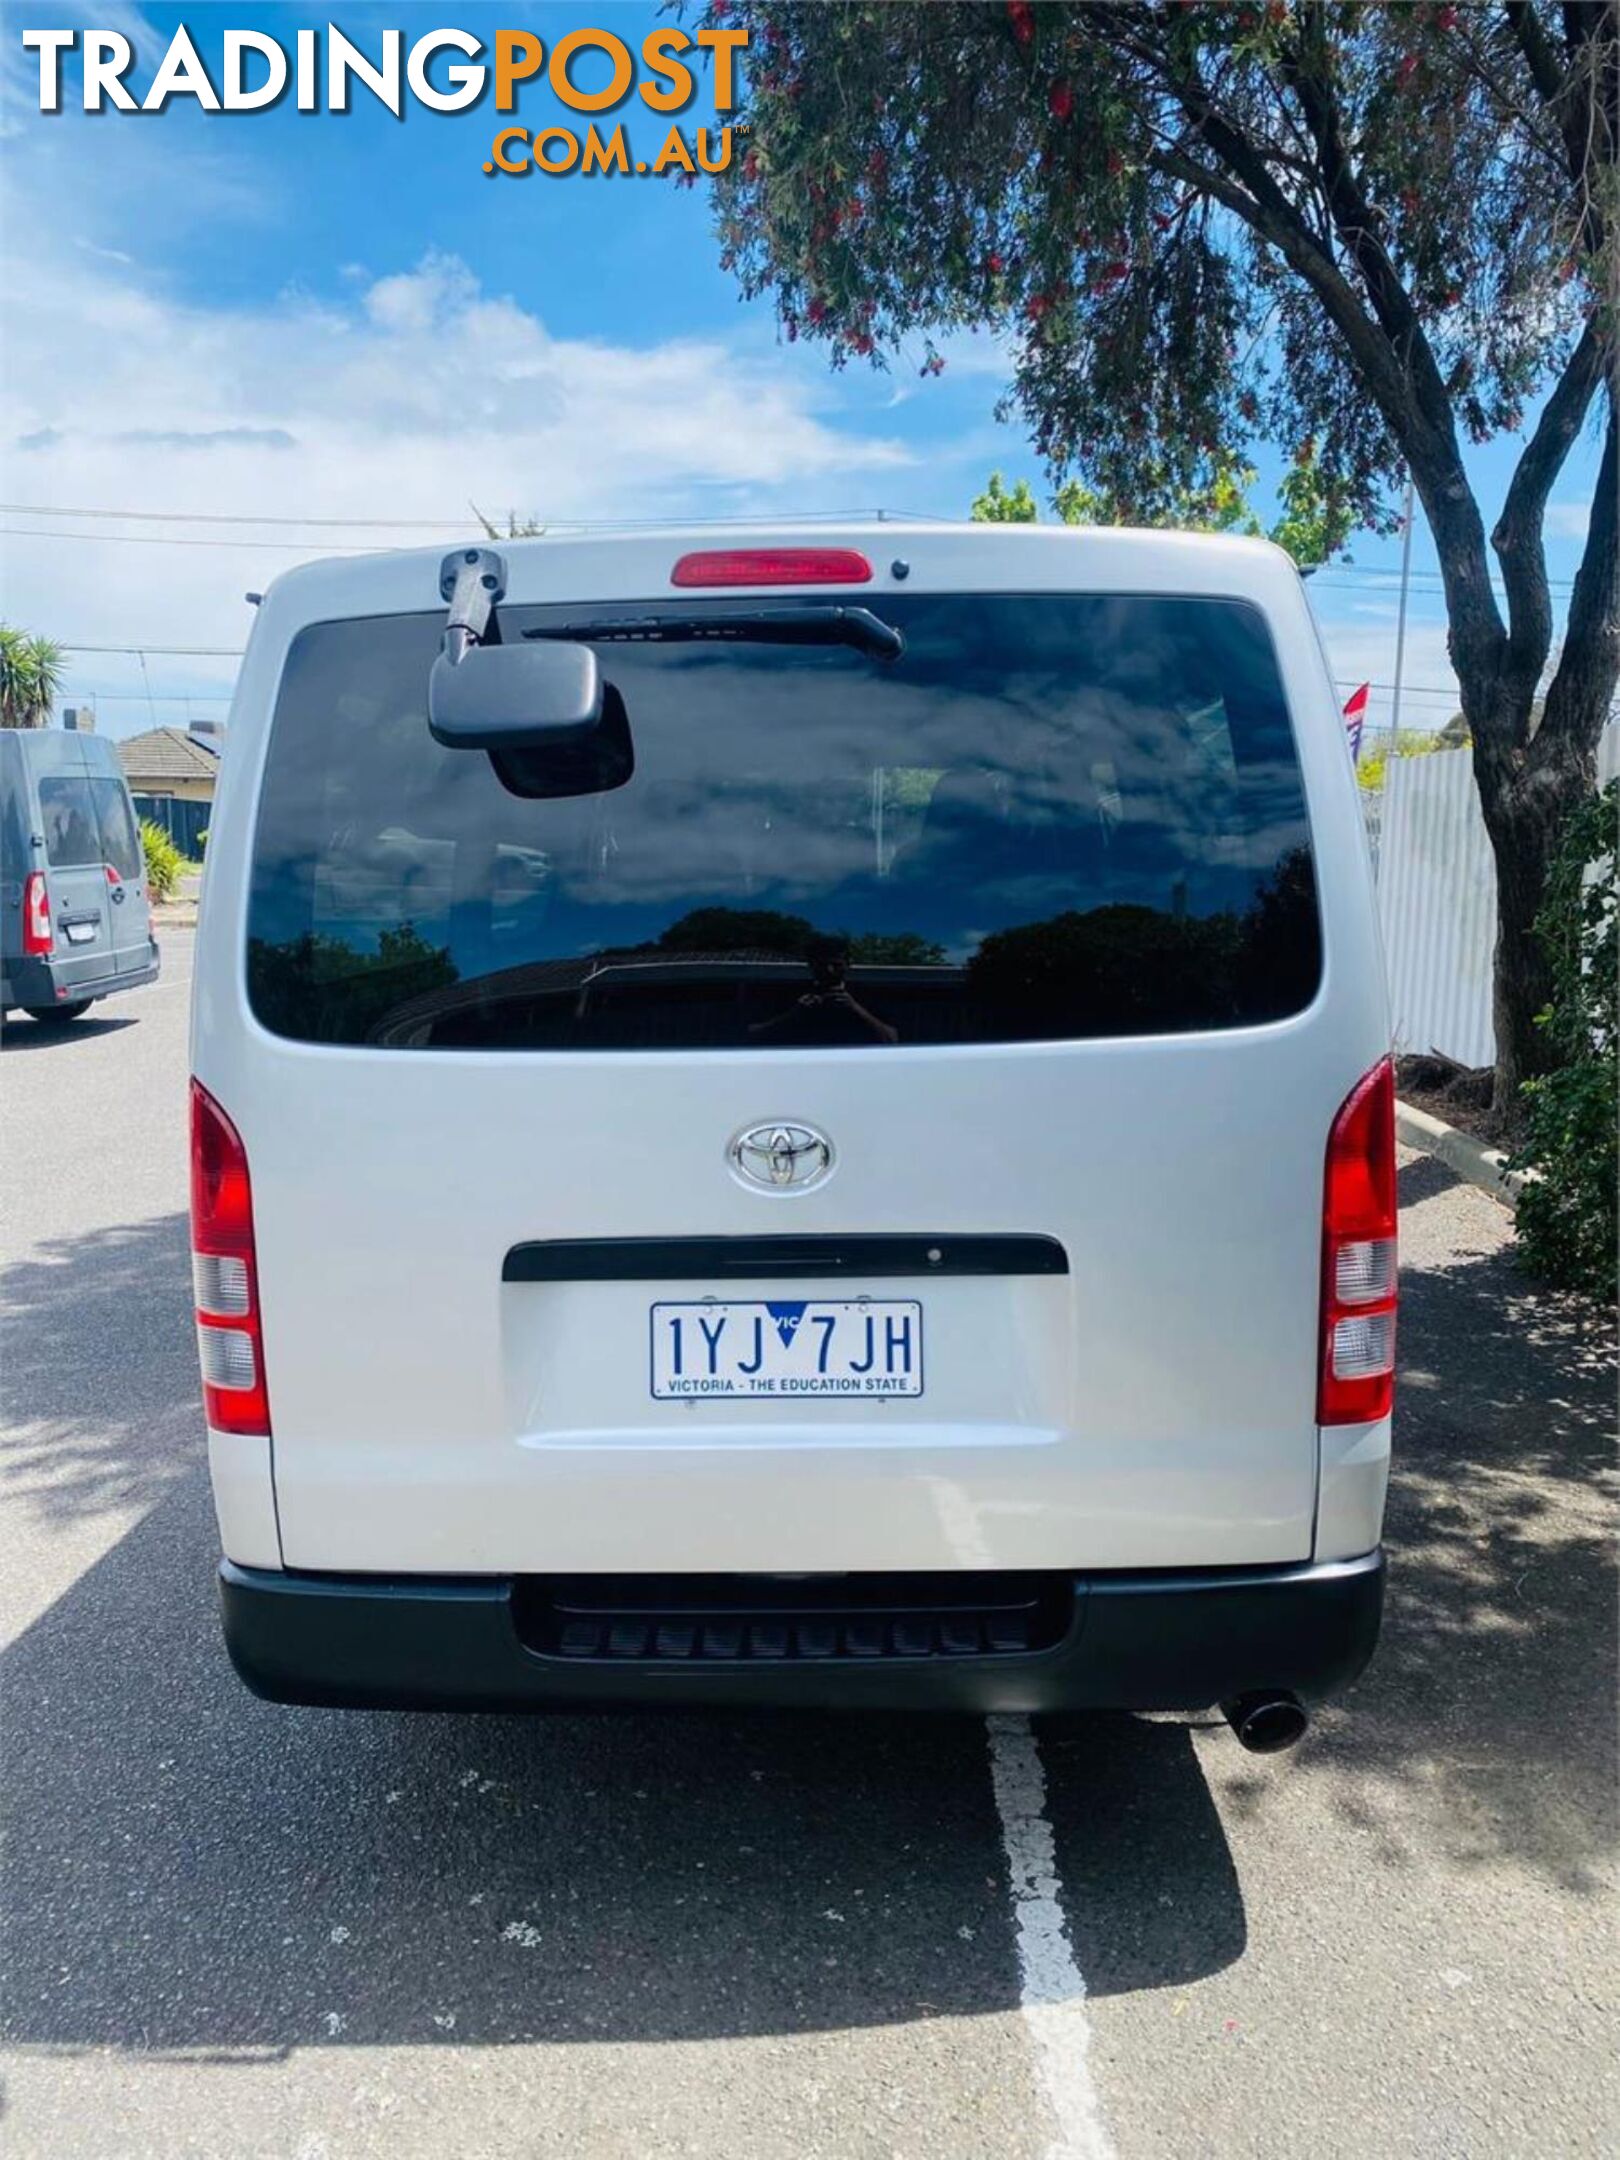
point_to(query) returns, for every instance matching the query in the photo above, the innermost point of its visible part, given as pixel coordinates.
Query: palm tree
(30, 676)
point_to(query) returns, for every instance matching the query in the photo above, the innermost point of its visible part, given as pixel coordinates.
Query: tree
(1376, 230)
(30, 676)
(1313, 526)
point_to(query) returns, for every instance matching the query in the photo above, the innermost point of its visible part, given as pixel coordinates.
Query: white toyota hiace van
(795, 1120)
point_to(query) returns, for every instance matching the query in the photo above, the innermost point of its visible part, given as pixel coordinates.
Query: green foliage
(736, 930)
(1192, 226)
(1313, 524)
(354, 993)
(30, 676)
(1569, 1220)
(164, 862)
(1003, 505)
(1415, 742)
(202, 840)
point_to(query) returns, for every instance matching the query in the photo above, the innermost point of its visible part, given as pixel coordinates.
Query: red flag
(1355, 717)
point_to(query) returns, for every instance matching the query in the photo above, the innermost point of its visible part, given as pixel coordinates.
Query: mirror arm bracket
(473, 582)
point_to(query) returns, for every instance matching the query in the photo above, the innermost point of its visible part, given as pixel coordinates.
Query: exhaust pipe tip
(1267, 1722)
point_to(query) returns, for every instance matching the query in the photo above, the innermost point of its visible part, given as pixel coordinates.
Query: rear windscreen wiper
(856, 626)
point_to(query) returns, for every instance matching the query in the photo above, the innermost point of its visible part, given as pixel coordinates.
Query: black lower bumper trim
(1156, 1641)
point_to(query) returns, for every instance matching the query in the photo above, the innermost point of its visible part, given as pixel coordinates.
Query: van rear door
(129, 918)
(1023, 929)
(84, 950)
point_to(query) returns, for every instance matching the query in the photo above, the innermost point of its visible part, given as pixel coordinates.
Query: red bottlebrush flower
(1022, 17)
(1036, 306)
(1407, 69)
(1109, 274)
(994, 264)
(1249, 405)
(1446, 19)
(862, 342)
(1162, 220)
(1116, 164)
(750, 166)
(817, 311)
(719, 10)
(1060, 101)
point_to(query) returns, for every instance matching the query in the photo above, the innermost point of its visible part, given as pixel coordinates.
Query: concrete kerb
(1472, 1159)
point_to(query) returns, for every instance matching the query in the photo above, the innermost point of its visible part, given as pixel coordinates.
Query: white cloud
(1360, 638)
(1569, 520)
(412, 396)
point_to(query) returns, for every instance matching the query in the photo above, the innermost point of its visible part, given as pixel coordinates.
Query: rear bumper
(1161, 1641)
(38, 981)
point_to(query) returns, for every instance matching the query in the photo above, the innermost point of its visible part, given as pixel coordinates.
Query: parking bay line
(1052, 1988)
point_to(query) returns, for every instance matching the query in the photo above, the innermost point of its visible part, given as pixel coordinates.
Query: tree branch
(1418, 416)
(1356, 223)
(1580, 694)
(1519, 538)
(1591, 36)
(1537, 47)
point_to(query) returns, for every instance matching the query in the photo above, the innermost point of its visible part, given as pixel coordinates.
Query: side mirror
(546, 695)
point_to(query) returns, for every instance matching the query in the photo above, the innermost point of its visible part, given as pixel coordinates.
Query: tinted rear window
(120, 842)
(1053, 817)
(72, 834)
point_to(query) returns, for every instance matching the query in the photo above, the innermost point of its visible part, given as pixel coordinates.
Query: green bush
(164, 861)
(1569, 1217)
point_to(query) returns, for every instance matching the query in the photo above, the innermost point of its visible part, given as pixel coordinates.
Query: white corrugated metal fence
(1437, 902)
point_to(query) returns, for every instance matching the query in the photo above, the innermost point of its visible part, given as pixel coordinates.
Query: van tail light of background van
(773, 566)
(37, 936)
(225, 1280)
(1358, 1256)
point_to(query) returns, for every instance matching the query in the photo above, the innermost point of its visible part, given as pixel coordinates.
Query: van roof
(614, 565)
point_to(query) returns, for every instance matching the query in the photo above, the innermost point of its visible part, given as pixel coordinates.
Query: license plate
(789, 1349)
(79, 933)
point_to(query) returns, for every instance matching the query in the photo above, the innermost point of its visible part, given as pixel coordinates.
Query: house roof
(168, 753)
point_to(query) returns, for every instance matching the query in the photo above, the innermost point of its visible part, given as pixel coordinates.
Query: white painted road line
(1052, 1989)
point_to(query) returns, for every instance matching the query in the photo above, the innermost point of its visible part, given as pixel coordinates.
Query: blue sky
(286, 315)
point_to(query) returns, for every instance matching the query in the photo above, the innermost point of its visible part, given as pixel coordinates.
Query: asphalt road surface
(236, 1930)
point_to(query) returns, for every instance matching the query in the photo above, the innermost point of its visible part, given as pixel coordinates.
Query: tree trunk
(1526, 803)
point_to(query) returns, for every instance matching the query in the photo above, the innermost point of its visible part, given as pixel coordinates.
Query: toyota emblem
(781, 1157)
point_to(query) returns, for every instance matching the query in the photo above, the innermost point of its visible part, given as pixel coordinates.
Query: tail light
(773, 566)
(1357, 1381)
(36, 914)
(113, 879)
(230, 1342)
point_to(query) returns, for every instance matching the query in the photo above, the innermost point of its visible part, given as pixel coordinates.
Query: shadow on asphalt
(191, 1869)
(25, 1034)
(98, 1387)
(1484, 1728)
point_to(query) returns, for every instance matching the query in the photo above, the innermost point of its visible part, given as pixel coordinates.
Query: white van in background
(797, 1120)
